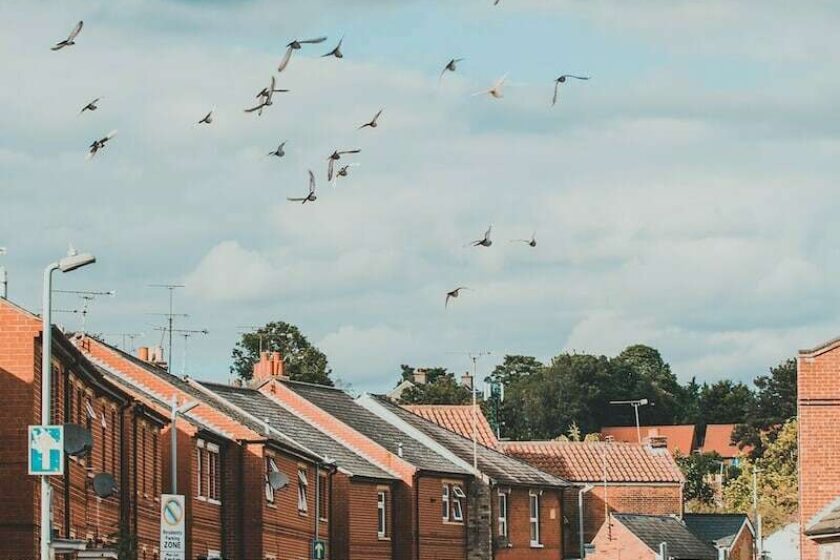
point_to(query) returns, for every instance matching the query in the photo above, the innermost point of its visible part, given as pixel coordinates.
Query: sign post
(319, 549)
(46, 450)
(173, 538)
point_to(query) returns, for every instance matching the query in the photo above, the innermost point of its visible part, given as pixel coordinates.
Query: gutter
(416, 481)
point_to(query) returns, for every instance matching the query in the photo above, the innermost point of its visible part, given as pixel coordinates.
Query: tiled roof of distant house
(719, 440)
(681, 439)
(458, 419)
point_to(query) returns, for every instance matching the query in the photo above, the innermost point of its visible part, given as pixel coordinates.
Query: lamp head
(74, 261)
(186, 407)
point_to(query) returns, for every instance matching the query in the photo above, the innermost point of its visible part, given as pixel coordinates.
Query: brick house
(360, 508)
(818, 386)
(458, 419)
(429, 499)
(731, 534)
(638, 537)
(124, 433)
(640, 479)
(224, 461)
(679, 439)
(515, 510)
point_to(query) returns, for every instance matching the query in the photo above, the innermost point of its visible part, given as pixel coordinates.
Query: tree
(777, 482)
(445, 389)
(724, 402)
(504, 379)
(697, 467)
(302, 360)
(655, 381)
(775, 404)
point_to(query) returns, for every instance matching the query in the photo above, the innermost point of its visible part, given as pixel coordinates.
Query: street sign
(319, 549)
(46, 450)
(173, 538)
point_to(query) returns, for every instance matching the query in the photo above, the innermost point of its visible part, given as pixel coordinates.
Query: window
(444, 501)
(214, 478)
(535, 518)
(270, 467)
(143, 461)
(114, 443)
(382, 514)
(155, 480)
(503, 514)
(323, 514)
(452, 502)
(302, 485)
(207, 471)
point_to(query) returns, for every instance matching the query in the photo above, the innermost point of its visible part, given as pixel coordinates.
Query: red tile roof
(680, 438)
(584, 461)
(458, 419)
(719, 440)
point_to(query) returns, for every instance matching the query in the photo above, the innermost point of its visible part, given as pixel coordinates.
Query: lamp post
(176, 410)
(71, 262)
(635, 404)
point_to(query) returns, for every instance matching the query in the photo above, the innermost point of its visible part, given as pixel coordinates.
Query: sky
(684, 197)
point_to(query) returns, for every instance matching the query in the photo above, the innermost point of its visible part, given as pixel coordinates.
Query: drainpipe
(66, 478)
(134, 454)
(223, 460)
(125, 491)
(584, 489)
(240, 497)
(417, 515)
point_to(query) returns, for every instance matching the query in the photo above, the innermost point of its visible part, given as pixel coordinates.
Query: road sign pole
(46, 377)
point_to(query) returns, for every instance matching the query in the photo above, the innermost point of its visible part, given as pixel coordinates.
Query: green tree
(445, 389)
(655, 381)
(725, 402)
(777, 480)
(505, 379)
(697, 467)
(775, 404)
(302, 360)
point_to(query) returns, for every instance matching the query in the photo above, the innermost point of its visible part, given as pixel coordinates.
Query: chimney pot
(420, 376)
(467, 380)
(143, 353)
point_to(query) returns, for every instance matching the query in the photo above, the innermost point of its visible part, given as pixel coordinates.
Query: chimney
(420, 377)
(143, 353)
(467, 380)
(156, 357)
(277, 366)
(657, 442)
(270, 365)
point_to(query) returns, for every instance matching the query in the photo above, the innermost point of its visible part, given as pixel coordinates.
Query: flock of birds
(334, 170)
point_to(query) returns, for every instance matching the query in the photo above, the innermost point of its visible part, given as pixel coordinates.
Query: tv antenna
(126, 336)
(170, 315)
(186, 333)
(87, 296)
(474, 357)
(254, 329)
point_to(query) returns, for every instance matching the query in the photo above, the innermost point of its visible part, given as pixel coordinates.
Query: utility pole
(474, 356)
(171, 288)
(759, 543)
(186, 333)
(635, 404)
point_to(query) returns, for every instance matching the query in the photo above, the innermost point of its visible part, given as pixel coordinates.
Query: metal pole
(582, 491)
(638, 428)
(46, 378)
(174, 449)
(606, 500)
(759, 544)
(169, 363)
(474, 419)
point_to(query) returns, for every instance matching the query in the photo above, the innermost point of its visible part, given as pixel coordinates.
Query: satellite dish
(277, 480)
(104, 485)
(77, 440)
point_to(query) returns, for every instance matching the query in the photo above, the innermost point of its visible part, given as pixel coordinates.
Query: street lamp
(71, 262)
(176, 410)
(635, 404)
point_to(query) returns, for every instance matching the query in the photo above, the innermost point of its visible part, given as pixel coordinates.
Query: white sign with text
(173, 538)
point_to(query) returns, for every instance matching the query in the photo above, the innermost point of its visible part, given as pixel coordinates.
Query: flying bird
(311, 196)
(92, 106)
(372, 123)
(336, 52)
(496, 90)
(451, 66)
(71, 39)
(266, 94)
(296, 45)
(280, 151)
(530, 242)
(208, 118)
(484, 242)
(334, 157)
(562, 80)
(343, 171)
(453, 294)
(97, 145)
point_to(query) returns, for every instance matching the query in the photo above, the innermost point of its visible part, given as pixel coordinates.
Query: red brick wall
(742, 549)
(439, 540)
(641, 498)
(619, 543)
(519, 525)
(819, 439)
(363, 541)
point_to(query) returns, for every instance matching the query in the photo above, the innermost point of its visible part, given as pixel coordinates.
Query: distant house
(731, 534)
(458, 419)
(639, 537)
(640, 479)
(679, 439)
(718, 439)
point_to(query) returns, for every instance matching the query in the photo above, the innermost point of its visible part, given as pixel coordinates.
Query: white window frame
(214, 477)
(445, 503)
(303, 484)
(199, 448)
(458, 498)
(503, 530)
(271, 466)
(381, 514)
(534, 517)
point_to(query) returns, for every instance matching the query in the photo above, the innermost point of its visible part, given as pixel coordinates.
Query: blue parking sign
(46, 450)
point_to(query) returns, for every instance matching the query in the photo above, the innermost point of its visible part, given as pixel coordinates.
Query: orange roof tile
(680, 438)
(719, 440)
(458, 419)
(584, 461)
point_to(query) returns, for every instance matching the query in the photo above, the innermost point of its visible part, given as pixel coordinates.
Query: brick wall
(362, 522)
(742, 549)
(519, 523)
(646, 499)
(819, 439)
(439, 540)
(617, 542)
(479, 522)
